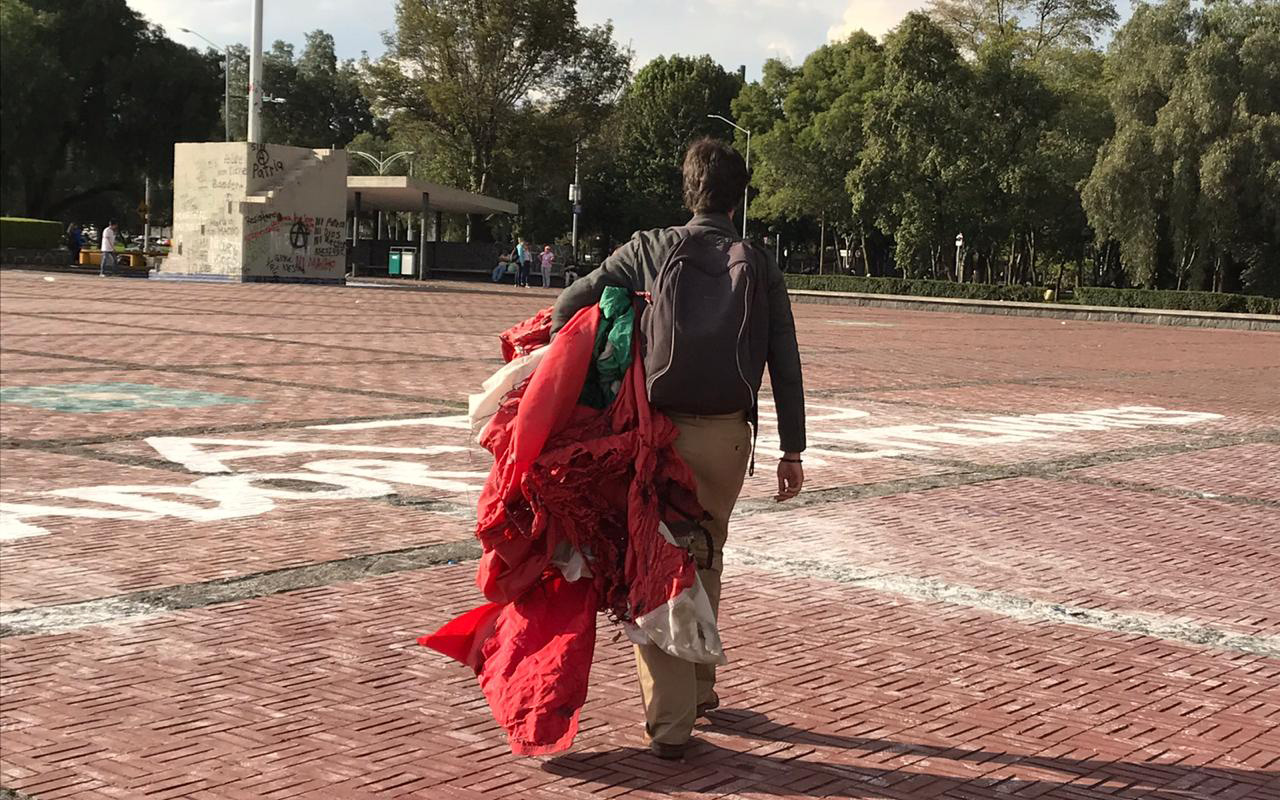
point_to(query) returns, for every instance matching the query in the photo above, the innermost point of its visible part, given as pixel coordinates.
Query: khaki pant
(717, 449)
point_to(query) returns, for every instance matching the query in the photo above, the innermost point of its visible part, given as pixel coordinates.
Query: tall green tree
(1033, 27)
(916, 177)
(1188, 187)
(466, 68)
(665, 107)
(811, 134)
(92, 99)
(316, 99)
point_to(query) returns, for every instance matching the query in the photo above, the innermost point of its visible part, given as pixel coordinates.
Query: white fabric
(685, 626)
(108, 239)
(483, 405)
(569, 560)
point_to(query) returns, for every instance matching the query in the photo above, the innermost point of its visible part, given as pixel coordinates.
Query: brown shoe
(670, 752)
(709, 706)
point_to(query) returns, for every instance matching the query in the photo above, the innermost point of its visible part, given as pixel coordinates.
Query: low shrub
(31, 234)
(916, 288)
(1178, 301)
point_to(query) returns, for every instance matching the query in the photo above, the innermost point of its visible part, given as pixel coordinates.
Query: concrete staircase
(286, 179)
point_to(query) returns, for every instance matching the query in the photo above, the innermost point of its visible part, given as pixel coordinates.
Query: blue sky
(732, 31)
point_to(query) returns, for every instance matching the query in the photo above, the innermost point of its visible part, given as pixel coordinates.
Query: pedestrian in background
(108, 260)
(548, 261)
(75, 242)
(524, 263)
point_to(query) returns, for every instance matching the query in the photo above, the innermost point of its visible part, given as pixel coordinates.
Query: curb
(1144, 316)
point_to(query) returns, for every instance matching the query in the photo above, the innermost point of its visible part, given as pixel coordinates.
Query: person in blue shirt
(75, 241)
(524, 263)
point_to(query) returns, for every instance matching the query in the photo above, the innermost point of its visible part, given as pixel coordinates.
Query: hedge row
(1180, 301)
(31, 234)
(916, 288)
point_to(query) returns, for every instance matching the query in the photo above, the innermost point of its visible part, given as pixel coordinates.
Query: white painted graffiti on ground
(226, 493)
(892, 441)
(232, 495)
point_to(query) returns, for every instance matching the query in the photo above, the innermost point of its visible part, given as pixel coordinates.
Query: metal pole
(746, 193)
(255, 76)
(576, 200)
(422, 237)
(226, 92)
(822, 244)
(355, 236)
(146, 218)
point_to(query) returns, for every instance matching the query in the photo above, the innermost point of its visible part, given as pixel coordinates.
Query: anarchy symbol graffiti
(299, 234)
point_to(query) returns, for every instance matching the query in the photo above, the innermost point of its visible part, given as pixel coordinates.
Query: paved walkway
(1038, 559)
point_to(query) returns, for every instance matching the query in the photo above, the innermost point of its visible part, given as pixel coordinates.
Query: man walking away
(108, 260)
(717, 445)
(548, 261)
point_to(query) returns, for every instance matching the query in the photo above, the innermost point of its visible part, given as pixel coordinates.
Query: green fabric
(611, 357)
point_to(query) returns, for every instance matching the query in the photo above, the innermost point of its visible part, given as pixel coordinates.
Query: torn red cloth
(527, 336)
(567, 478)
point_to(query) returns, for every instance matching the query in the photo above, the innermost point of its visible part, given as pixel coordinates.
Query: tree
(323, 98)
(915, 178)
(83, 86)
(1187, 187)
(1034, 27)
(811, 120)
(465, 67)
(661, 112)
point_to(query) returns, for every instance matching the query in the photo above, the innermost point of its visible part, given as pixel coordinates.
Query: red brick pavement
(1070, 543)
(836, 690)
(832, 692)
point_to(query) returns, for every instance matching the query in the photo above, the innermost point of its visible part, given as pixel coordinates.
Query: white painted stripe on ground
(841, 570)
(457, 421)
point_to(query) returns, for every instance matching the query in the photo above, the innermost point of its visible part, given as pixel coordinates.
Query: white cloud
(876, 17)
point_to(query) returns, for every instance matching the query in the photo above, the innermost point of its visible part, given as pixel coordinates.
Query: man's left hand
(790, 477)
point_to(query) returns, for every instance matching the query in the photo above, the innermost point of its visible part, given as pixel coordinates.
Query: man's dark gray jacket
(635, 266)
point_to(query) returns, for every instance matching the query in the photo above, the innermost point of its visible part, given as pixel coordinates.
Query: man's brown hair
(715, 177)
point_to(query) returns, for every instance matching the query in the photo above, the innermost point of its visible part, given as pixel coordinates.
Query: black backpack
(706, 327)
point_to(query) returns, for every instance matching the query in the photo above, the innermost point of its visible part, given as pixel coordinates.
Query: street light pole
(746, 193)
(255, 76)
(959, 264)
(383, 163)
(577, 199)
(226, 82)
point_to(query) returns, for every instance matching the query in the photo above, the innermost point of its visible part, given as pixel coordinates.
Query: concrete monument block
(254, 212)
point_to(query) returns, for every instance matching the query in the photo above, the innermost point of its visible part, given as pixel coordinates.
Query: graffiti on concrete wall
(259, 211)
(262, 163)
(294, 246)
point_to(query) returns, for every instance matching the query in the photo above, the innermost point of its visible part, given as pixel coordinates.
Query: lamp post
(575, 197)
(959, 264)
(746, 193)
(383, 163)
(255, 75)
(226, 81)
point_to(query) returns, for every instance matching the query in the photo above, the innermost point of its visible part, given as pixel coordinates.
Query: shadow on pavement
(793, 770)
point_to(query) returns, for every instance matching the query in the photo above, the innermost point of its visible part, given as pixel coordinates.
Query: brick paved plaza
(1037, 559)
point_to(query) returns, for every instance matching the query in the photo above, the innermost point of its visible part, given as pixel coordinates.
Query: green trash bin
(393, 263)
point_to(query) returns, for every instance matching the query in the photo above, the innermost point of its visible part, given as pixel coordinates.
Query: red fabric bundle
(597, 480)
